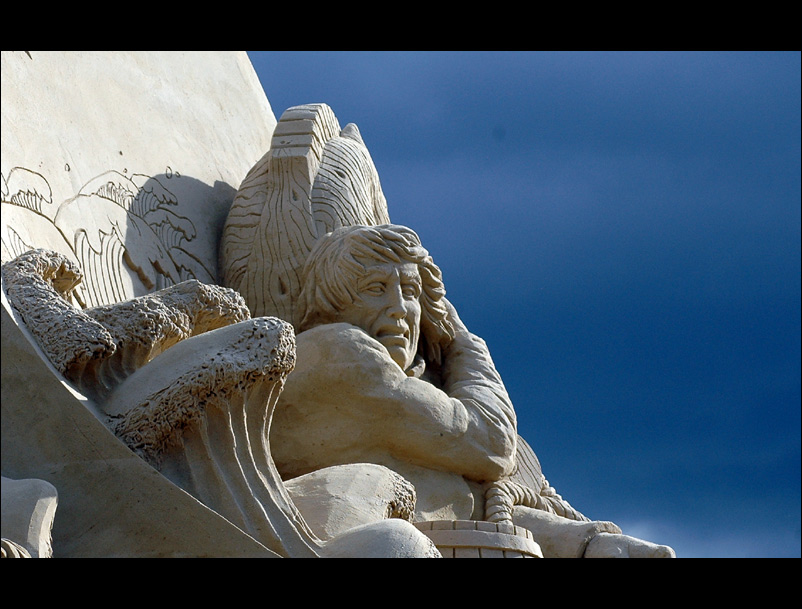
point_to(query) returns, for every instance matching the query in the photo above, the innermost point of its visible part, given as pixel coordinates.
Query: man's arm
(467, 429)
(470, 376)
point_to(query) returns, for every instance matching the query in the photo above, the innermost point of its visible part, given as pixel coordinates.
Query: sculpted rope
(502, 496)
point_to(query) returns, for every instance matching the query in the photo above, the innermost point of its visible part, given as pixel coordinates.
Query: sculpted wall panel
(126, 161)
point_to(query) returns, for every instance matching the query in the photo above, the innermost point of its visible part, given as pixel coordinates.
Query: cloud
(690, 540)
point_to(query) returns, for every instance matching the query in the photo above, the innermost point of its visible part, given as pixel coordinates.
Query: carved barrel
(479, 539)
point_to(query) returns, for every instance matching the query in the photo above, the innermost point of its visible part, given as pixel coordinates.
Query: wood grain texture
(316, 177)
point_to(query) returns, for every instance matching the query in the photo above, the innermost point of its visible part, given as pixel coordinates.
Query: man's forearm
(468, 433)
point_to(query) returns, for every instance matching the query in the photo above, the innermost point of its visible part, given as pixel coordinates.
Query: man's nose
(396, 307)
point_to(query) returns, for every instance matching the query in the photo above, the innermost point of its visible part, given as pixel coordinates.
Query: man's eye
(374, 288)
(411, 291)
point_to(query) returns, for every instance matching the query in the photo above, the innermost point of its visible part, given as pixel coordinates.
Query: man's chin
(399, 355)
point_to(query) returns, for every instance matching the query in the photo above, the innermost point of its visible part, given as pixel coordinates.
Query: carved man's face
(388, 308)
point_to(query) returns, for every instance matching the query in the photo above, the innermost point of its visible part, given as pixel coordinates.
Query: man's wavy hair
(341, 257)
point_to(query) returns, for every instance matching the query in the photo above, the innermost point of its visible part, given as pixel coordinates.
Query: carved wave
(154, 254)
(29, 189)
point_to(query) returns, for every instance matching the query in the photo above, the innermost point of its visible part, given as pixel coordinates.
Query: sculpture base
(479, 539)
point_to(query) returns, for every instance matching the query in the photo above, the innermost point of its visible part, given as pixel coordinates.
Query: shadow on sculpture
(128, 232)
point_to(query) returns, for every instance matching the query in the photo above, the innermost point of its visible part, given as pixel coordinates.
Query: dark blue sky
(623, 229)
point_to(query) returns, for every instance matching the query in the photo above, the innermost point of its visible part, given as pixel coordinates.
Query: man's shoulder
(328, 331)
(341, 359)
(337, 334)
(339, 342)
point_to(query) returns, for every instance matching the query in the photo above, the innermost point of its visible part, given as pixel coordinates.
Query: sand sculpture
(323, 399)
